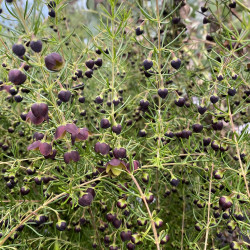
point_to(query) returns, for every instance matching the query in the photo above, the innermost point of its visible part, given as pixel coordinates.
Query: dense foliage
(124, 125)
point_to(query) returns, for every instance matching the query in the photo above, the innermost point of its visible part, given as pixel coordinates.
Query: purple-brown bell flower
(71, 156)
(117, 129)
(119, 153)
(102, 148)
(38, 136)
(33, 119)
(54, 62)
(44, 147)
(38, 113)
(85, 200)
(39, 109)
(114, 167)
(77, 134)
(70, 128)
(17, 77)
(82, 135)
(52, 156)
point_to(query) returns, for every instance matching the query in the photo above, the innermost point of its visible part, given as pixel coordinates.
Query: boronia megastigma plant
(124, 124)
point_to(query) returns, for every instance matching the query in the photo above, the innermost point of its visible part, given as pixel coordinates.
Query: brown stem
(238, 150)
(96, 231)
(149, 212)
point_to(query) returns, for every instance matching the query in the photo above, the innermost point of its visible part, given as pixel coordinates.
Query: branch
(149, 212)
(238, 150)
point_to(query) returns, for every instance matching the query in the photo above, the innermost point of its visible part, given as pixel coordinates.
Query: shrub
(124, 125)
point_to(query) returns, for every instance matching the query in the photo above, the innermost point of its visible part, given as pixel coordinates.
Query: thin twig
(243, 172)
(94, 226)
(149, 212)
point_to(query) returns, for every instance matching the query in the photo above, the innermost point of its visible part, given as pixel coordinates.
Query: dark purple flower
(92, 191)
(64, 95)
(51, 156)
(44, 148)
(38, 136)
(34, 146)
(72, 129)
(117, 129)
(33, 119)
(40, 110)
(71, 156)
(36, 45)
(83, 134)
(61, 225)
(165, 240)
(225, 202)
(119, 153)
(158, 222)
(17, 77)
(76, 133)
(126, 235)
(102, 148)
(60, 132)
(53, 61)
(110, 216)
(85, 200)
(105, 123)
(6, 88)
(114, 167)
(116, 223)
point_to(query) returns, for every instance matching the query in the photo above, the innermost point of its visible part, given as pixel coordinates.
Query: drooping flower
(85, 200)
(52, 155)
(105, 123)
(119, 153)
(38, 113)
(61, 225)
(44, 147)
(39, 109)
(77, 134)
(6, 88)
(17, 77)
(102, 148)
(38, 136)
(114, 167)
(71, 156)
(83, 134)
(60, 132)
(33, 119)
(54, 62)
